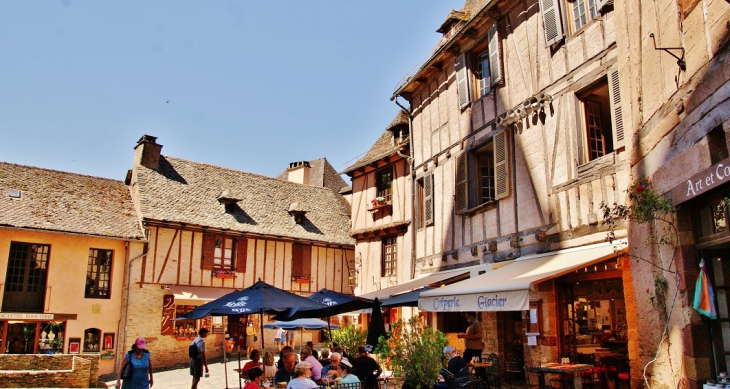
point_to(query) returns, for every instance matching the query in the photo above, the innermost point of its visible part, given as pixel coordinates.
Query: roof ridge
(61, 171)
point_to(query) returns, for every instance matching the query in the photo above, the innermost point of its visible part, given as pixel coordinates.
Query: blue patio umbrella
(333, 303)
(408, 299)
(306, 324)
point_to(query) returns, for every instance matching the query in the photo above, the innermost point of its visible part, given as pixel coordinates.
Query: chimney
(147, 152)
(299, 172)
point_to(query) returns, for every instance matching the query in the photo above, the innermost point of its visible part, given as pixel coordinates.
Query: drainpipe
(410, 160)
(129, 285)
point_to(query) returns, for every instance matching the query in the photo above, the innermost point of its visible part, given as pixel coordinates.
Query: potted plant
(350, 338)
(378, 202)
(414, 352)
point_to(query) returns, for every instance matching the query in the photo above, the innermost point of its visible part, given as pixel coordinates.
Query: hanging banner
(514, 300)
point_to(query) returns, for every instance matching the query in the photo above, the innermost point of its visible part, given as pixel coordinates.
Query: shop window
(186, 328)
(482, 174)
(425, 201)
(98, 274)
(713, 219)
(92, 339)
(717, 144)
(601, 120)
(221, 252)
(383, 183)
(389, 257)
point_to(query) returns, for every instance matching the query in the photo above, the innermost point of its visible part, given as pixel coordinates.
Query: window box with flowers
(378, 203)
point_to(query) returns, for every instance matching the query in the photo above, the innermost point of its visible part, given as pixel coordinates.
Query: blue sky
(249, 85)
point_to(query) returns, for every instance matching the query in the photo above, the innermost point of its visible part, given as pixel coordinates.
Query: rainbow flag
(704, 295)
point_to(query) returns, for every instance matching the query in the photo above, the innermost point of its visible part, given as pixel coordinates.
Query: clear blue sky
(251, 85)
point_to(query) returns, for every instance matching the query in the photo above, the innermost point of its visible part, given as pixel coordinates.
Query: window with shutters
(301, 261)
(98, 274)
(600, 117)
(583, 11)
(221, 252)
(577, 14)
(480, 70)
(482, 174)
(383, 181)
(425, 201)
(389, 257)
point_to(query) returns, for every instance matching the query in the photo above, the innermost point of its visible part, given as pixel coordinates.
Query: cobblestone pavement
(181, 378)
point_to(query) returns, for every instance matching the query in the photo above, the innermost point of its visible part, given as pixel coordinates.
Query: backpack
(193, 351)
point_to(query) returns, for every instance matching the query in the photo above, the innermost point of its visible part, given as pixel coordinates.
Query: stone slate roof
(384, 146)
(67, 202)
(186, 192)
(321, 173)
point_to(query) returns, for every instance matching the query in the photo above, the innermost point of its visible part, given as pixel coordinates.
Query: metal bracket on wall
(680, 60)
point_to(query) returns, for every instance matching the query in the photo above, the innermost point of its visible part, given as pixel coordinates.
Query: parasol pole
(225, 357)
(262, 331)
(238, 341)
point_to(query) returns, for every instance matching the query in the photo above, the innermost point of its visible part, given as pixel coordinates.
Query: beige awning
(197, 295)
(422, 281)
(507, 288)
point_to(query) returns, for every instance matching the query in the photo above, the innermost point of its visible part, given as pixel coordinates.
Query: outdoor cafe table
(573, 369)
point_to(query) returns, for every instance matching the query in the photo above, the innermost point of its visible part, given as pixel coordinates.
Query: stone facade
(43, 371)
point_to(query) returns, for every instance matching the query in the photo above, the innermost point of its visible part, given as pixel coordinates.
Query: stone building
(212, 230)
(65, 240)
(516, 122)
(676, 101)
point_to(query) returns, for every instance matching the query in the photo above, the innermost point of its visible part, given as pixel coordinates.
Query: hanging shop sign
(26, 316)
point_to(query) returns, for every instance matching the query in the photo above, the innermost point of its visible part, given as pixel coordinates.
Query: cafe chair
(513, 371)
(356, 385)
(492, 373)
(534, 377)
(470, 382)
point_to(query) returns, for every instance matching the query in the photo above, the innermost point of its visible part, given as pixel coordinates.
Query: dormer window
(297, 212)
(230, 203)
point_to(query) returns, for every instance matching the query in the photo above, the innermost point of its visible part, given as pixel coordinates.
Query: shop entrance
(592, 312)
(717, 264)
(32, 337)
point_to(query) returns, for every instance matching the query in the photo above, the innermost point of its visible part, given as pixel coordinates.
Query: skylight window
(14, 193)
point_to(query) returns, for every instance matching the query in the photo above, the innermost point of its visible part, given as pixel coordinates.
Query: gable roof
(66, 202)
(385, 145)
(321, 173)
(187, 192)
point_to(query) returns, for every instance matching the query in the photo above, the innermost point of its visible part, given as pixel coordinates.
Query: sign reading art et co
(702, 182)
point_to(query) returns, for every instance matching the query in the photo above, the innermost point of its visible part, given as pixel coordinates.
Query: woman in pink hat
(139, 358)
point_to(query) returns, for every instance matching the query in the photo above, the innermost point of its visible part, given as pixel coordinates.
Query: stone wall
(41, 371)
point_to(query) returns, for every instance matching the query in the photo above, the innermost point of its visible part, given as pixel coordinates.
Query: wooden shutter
(307, 261)
(241, 254)
(501, 170)
(296, 260)
(495, 55)
(617, 119)
(462, 83)
(551, 21)
(206, 261)
(428, 200)
(168, 315)
(461, 200)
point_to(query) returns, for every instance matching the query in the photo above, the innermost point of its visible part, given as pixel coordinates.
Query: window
(98, 274)
(425, 201)
(389, 258)
(600, 112)
(482, 174)
(583, 12)
(383, 181)
(485, 63)
(221, 252)
(25, 277)
(301, 265)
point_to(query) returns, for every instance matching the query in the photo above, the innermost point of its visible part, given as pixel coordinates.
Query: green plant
(350, 338)
(414, 352)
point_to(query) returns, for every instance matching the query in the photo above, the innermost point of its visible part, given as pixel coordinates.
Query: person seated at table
(306, 355)
(456, 362)
(333, 369)
(348, 374)
(302, 371)
(285, 350)
(269, 368)
(286, 373)
(255, 375)
(324, 356)
(255, 355)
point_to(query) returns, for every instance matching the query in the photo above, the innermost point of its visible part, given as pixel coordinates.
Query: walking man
(197, 363)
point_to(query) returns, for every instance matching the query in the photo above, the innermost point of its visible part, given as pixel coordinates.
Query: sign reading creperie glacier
(702, 182)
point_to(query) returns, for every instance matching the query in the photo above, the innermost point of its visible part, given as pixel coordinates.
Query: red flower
(647, 290)
(639, 188)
